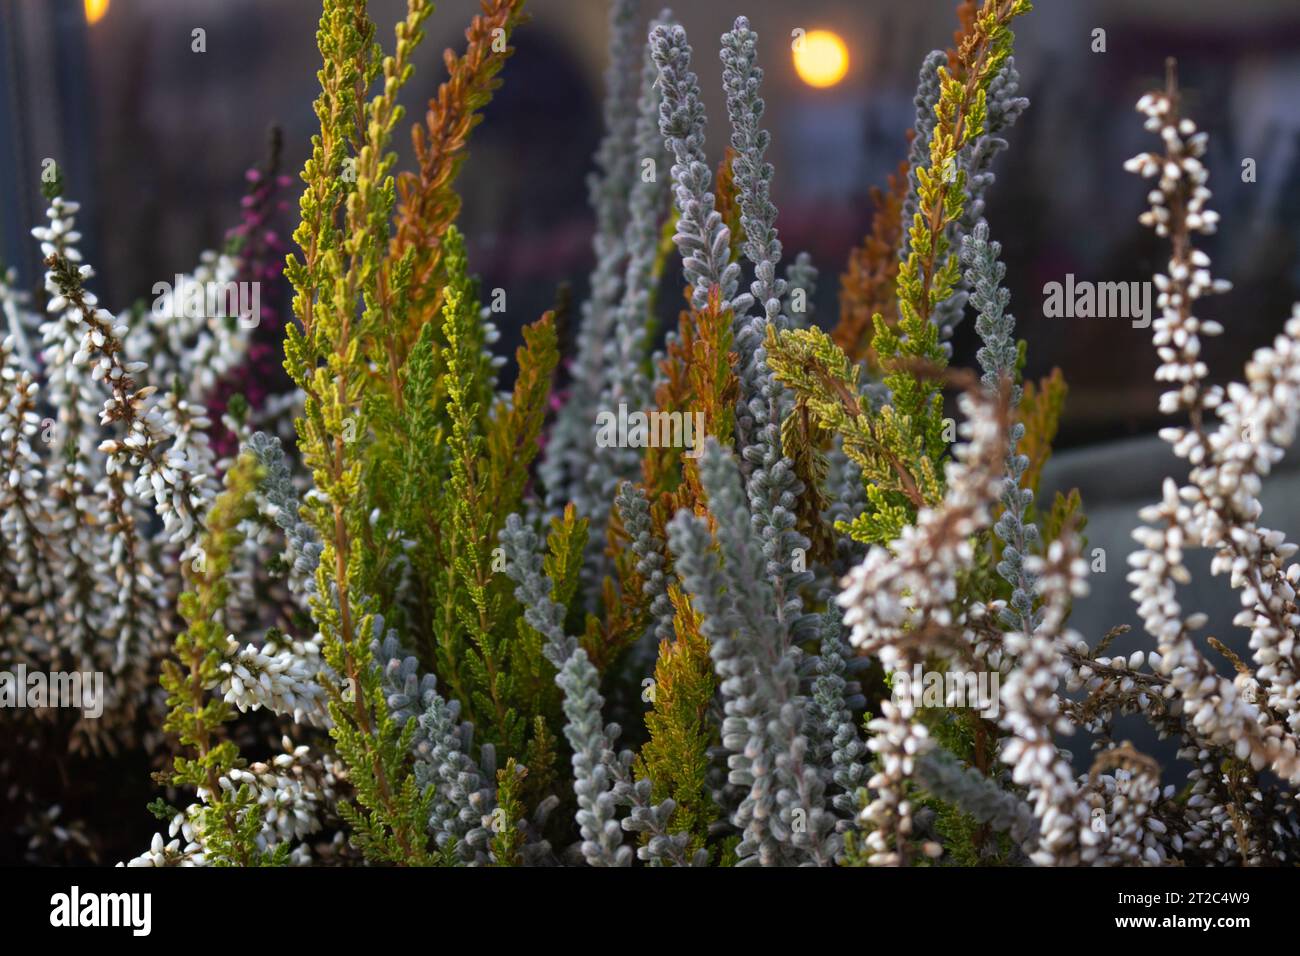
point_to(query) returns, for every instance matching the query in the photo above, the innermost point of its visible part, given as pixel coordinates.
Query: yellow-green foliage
(491, 445)
(1040, 412)
(676, 757)
(898, 464)
(696, 376)
(509, 814)
(1066, 511)
(901, 449)
(346, 207)
(564, 552)
(229, 820)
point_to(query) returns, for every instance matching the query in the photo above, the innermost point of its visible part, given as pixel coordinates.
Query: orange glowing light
(821, 58)
(95, 10)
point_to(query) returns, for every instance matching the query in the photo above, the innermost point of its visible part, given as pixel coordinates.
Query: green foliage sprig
(346, 208)
(228, 820)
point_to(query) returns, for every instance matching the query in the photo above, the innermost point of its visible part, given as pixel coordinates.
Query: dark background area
(154, 139)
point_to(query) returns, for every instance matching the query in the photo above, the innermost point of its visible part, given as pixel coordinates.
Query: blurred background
(153, 139)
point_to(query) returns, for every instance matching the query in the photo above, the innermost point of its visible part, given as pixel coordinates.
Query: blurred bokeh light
(820, 58)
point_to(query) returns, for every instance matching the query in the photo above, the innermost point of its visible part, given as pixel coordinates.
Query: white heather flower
(1032, 711)
(1254, 717)
(915, 579)
(911, 585)
(282, 678)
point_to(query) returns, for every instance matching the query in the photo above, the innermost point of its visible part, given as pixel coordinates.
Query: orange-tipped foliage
(698, 376)
(1040, 411)
(967, 11)
(625, 610)
(428, 200)
(867, 286)
(726, 201)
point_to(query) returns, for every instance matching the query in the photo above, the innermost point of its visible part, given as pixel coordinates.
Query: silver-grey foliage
(835, 742)
(741, 79)
(701, 237)
(463, 793)
(947, 778)
(543, 614)
(925, 100)
(772, 486)
(998, 358)
(975, 160)
(783, 817)
(304, 545)
(569, 449)
(602, 782)
(634, 512)
(800, 276)
(624, 378)
(602, 777)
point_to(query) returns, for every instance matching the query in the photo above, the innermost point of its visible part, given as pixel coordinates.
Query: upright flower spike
(343, 235)
(218, 342)
(569, 453)
(908, 587)
(701, 237)
(998, 358)
(22, 516)
(258, 242)
(20, 323)
(627, 352)
(1255, 717)
(429, 202)
(1033, 713)
(783, 818)
(168, 477)
(72, 499)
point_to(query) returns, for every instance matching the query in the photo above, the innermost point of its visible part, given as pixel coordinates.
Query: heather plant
(389, 638)
(111, 477)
